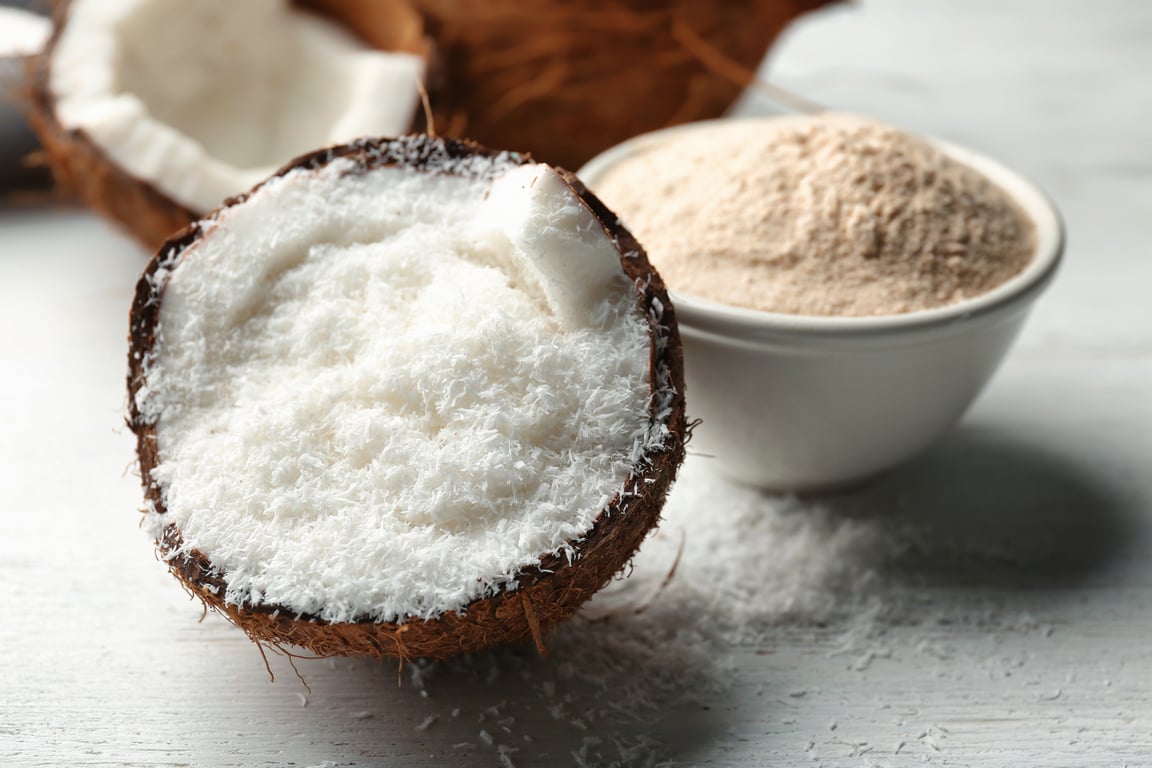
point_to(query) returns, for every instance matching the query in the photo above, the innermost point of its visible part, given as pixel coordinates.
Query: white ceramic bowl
(806, 403)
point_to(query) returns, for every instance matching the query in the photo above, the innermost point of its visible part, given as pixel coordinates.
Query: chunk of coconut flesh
(391, 411)
(204, 99)
(22, 33)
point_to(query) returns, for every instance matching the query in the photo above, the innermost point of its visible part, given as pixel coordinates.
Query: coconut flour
(818, 215)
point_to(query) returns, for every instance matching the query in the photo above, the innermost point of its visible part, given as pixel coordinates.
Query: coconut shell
(80, 168)
(566, 80)
(543, 595)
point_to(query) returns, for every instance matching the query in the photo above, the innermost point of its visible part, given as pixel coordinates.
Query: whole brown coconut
(540, 596)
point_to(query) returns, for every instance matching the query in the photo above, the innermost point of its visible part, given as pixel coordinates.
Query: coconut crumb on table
(615, 675)
(818, 215)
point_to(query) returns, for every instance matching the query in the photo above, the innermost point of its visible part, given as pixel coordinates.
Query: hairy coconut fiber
(81, 169)
(543, 595)
(567, 80)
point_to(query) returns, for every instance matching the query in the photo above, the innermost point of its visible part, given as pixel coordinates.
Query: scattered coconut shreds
(383, 386)
(647, 645)
(628, 669)
(748, 566)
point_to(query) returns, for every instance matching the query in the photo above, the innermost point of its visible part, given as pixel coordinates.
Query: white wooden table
(1014, 630)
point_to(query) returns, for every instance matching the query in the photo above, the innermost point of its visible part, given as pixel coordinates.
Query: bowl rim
(1010, 297)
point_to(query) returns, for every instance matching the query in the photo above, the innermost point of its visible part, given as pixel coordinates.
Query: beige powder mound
(818, 215)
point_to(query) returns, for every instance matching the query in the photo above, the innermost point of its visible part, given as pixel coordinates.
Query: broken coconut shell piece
(567, 79)
(153, 112)
(408, 397)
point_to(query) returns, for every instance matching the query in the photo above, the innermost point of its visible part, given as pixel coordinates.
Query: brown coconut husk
(566, 80)
(387, 25)
(543, 595)
(81, 169)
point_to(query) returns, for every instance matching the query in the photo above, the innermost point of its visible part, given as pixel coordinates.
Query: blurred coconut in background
(22, 34)
(154, 111)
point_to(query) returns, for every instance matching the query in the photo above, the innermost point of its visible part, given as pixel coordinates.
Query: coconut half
(408, 397)
(156, 111)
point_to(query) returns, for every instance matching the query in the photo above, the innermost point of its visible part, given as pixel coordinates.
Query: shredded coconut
(376, 397)
(818, 215)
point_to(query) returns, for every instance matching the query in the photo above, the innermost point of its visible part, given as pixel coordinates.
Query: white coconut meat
(22, 33)
(204, 99)
(381, 395)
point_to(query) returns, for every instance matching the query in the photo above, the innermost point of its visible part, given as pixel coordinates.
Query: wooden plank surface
(989, 604)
